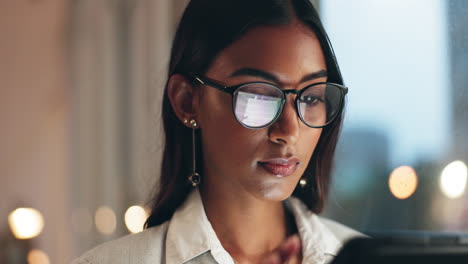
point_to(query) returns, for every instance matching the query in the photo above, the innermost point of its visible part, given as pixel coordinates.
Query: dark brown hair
(206, 28)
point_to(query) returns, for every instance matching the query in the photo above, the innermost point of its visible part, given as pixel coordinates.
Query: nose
(286, 128)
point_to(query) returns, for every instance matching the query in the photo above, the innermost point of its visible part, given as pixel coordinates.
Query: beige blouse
(188, 237)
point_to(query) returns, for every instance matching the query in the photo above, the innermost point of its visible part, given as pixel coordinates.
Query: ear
(183, 97)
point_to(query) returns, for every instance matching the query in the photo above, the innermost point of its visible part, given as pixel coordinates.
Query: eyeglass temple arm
(210, 83)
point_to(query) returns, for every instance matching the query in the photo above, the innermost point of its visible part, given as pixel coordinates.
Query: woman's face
(266, 163)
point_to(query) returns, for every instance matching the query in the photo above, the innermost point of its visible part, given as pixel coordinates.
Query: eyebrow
(271, 77)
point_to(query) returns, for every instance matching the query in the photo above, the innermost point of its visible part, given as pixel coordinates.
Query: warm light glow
(26, 223)
(403, 182)
(135, 218)
(37, 256)
(453, 179)
(105, 220)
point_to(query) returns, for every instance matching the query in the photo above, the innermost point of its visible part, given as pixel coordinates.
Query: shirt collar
(190, 234)
(319, 243)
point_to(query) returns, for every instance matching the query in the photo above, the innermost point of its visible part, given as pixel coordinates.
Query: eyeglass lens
(257, 105)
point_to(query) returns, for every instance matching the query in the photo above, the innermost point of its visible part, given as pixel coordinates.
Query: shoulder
(144, 247)
(342, 233)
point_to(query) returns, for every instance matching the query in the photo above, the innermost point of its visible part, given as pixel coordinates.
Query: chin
(275, 192)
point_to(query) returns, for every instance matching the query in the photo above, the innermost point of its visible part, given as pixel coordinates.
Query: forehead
(289, 51)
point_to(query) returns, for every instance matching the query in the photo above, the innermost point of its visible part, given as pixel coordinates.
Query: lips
(280, 167)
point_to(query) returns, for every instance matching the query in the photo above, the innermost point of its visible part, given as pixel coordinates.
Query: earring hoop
(194, 178)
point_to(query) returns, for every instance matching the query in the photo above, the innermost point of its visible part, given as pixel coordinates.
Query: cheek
(215, 116)
(309, 141)
(222, 135)
(229, 143)
(230, 153)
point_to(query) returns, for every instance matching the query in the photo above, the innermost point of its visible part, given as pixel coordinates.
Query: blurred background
(80, 136)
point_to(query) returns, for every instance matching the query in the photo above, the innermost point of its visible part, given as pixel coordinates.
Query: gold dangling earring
(194, 178)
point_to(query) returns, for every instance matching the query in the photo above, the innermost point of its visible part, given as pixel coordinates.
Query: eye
(310, 99)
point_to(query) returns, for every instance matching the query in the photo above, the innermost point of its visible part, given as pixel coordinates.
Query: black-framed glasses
(259, 104)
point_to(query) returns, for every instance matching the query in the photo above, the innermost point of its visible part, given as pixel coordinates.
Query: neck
(247, 227)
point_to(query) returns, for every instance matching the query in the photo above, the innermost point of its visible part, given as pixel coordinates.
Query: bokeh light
(26, 223)
(453, 179)
(105, 220)
(403, 182)
(36, 256)
(135, 218)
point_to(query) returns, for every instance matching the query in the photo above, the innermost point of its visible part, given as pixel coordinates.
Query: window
(406, 64)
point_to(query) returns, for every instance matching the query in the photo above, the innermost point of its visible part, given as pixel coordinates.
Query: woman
(252, 110)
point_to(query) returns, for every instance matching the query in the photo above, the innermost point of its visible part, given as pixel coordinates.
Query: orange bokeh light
(403, 182)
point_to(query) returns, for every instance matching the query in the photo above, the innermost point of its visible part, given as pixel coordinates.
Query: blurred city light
(37, 256)
(135, 218)
(26, 223)
(105, 220)
(403, 182)
(453, 179)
